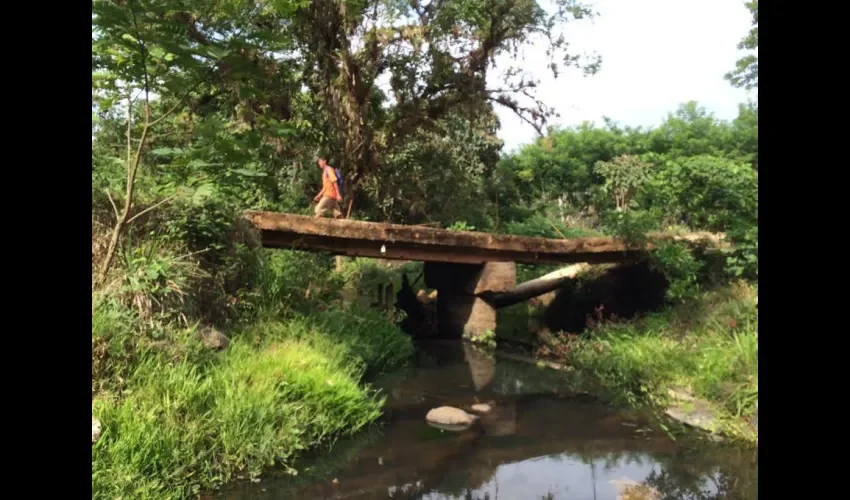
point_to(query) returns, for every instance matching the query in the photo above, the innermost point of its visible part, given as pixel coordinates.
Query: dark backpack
(339, 180)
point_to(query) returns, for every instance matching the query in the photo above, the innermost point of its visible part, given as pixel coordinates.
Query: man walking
(330, 196)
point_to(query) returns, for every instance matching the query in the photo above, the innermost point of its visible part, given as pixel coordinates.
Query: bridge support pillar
(459, 310)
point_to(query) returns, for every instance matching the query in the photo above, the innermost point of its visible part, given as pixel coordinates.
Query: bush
(178, 417)
(291, 281)
(540, 226)
(278, 390)
(742, 261)
(180, 262)
(705, 192)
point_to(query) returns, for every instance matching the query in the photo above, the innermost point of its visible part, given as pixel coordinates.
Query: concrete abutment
(460, 311)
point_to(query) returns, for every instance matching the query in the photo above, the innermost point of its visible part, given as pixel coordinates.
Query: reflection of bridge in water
(533, 439)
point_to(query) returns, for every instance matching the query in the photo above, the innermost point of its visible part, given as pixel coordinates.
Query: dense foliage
(202, 109)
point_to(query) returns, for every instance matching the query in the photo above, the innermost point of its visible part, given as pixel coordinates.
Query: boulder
(697, 413)
(450, 418)
(481, 408)
(213, 338)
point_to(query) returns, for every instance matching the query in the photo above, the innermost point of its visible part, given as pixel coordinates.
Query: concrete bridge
(474, 273)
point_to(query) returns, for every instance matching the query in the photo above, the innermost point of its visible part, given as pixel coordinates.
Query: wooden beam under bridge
(418, 243)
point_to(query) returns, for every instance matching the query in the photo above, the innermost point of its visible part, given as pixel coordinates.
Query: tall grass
(192, 423)
(179, 418)
(708, 346)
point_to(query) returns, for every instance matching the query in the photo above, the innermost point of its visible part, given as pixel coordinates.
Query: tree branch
(128, 201)
(152, 207)
(179, 102)
(112, 202)
(520, 112)
(144, 56)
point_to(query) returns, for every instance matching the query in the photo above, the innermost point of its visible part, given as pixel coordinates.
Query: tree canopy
(230, 102)
(746, 72)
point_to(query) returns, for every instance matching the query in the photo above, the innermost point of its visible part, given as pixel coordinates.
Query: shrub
(187, 423)
(705, 192)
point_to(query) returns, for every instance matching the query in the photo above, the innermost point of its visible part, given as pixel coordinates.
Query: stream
(540, 441)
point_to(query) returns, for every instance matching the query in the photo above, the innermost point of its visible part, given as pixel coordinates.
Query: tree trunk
(535, 287)
(132, 168)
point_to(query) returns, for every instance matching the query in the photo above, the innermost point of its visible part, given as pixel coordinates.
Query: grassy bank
(179, 416)
(194, 421)
(706, 347)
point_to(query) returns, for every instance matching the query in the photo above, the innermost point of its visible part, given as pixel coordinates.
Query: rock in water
(95, 430)
(213, 338)
(698, 413)
(481, 408)
(449, 418)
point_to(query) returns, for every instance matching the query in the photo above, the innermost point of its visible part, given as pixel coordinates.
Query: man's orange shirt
(329, 187)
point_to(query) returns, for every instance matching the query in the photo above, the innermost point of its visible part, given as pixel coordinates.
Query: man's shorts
(328, 204)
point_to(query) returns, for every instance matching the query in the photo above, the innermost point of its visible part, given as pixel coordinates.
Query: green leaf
(203, 192)
(167, 151)
(249, 173)
(197, 163)
(129, 38)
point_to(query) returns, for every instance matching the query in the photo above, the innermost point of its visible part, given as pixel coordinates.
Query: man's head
(321, 162)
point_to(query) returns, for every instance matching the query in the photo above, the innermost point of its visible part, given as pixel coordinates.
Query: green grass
(707, 346)
(186, 419)
(178, 418)
(540, 225)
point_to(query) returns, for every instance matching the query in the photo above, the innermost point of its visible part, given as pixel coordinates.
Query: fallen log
(535, 287)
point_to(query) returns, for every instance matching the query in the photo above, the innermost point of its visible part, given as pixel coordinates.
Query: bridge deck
(419, 243)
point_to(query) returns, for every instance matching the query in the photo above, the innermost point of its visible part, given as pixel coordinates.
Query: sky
(656, 55)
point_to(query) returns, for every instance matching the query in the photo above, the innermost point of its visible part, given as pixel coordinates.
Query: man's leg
(327, 204)
(322, 206)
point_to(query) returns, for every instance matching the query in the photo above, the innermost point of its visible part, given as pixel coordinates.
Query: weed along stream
(531, 437)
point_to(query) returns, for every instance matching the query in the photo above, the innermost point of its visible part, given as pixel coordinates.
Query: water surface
(541, 441)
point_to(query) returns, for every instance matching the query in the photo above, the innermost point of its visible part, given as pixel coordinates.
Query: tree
(301, 77)
(624, 175)
(436, 57)
(746, 72)
(691, 130)
(706, 192)
(560, 166)
(131, 60)
(440, 174)
(216, 79)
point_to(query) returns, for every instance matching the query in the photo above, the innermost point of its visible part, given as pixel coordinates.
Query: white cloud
(656, 54)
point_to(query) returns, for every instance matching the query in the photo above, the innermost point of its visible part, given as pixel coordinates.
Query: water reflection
(539, 441)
